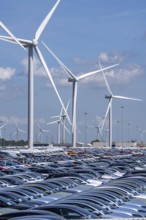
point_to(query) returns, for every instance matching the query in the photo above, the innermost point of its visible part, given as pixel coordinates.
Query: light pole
(4, 137)
(128, 132)
(122, 107)
(85, 129)
(1, 122)
(117, 131)
(137, 133)
(97, 130)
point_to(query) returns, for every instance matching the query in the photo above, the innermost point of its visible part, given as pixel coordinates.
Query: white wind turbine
(58, 122)
(41, 131)
(1, 127)
(98, 129)
(16, 133)
(141, 132)
(64, 115)
(74, 79)
(99, 132)
(33, 45)
(111, 96)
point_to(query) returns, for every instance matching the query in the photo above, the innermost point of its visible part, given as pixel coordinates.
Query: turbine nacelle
(34, 42)
(108, 96)
(71, 79)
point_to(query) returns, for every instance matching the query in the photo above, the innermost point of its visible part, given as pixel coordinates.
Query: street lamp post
(122, 107)
(85, 129)
(137, 134)
(117, 131)
(4, 137)
(128, 132)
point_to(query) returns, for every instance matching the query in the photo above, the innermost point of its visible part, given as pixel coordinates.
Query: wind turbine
(110, 97)
(16, 133)
(41, 131)
(2, 126)
(98, 129)
(99, 132)
(33, 45)
(74, 79)
(58, 122)
(141, 132)
(64, 115)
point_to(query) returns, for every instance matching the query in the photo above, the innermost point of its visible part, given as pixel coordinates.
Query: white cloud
(17, 121)
(111, 57)
(124, 75)
(116, 76)
(80, 60)
(59, 76)
(6, 73)
(38, 69)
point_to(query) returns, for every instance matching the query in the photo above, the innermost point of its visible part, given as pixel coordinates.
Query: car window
(69, 214)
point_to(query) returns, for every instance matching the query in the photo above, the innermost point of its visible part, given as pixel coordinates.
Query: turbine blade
(61, 112)
(100, 132)
(56, 116)
(45, 21)
(52, 122)
(96, 71)
(45, 131)
(51, 79)
(106, 82)
(124, 97)
(67, 105)
(67, 129)
(107, 111)
(11, 35)
(15, 132)
(100, 123)
(7, 39)
(11, 40)
(60, 62)
(21, 130)
(3, 125)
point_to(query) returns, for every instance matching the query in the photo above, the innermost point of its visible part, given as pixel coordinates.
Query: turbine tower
(110, 97)
(74, 79)
(33, 45)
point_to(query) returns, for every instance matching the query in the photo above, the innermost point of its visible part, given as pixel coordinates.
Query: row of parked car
(87, 185)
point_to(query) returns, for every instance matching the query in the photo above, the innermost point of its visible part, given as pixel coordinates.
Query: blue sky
(80, 32)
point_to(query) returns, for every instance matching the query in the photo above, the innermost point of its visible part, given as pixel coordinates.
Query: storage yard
(73, 183)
